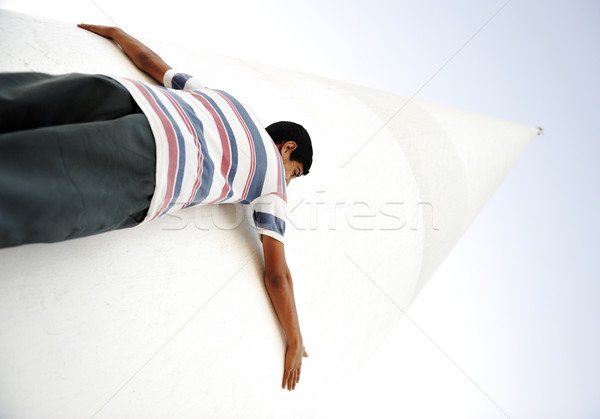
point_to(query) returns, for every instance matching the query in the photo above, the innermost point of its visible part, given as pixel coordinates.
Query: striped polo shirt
(210, 149)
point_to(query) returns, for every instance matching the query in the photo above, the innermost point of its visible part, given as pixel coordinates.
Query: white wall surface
(515, 303)
(165, 320)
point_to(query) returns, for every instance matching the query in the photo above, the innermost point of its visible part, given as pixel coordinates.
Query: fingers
(286, 376)
(97, 29)
(292, 370)
(85, 26)
(290, 379)
(292, 383)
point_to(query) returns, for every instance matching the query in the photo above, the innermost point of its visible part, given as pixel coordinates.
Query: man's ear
(290, 146)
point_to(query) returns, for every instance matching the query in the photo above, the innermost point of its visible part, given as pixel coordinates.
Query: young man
(83, 154)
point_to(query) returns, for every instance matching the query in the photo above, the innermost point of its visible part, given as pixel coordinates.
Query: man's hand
(293, 364)
(104, 31)
(143, 57)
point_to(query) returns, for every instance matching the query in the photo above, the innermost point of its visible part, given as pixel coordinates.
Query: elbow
(142, 59)
(277, 280)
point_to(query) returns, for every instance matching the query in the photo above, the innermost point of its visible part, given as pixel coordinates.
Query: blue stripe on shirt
(179, 80)
(232, 142)
(258, 179)
(269, 222)
(208, 166)
(181, 147)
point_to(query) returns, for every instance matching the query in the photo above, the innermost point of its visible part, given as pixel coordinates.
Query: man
(83, 154)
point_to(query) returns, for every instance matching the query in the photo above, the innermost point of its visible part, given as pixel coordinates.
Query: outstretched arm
(278, 281)
(142, 56)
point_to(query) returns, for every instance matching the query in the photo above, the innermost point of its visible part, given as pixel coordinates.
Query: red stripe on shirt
(173, 149)
(250, 142)
(226, 157)
(199, 155)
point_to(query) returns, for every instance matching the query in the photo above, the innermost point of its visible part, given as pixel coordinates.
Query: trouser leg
(33, 100)
(59, 182)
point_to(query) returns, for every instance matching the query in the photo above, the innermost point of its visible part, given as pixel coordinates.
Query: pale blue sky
(515, 304)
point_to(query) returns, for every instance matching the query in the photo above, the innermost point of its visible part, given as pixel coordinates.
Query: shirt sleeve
(181, 81)
(268, 212)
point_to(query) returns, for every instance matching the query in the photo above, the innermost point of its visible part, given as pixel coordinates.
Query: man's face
(293, 169)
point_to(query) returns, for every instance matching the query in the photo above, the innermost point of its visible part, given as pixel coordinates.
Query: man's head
(293, 142)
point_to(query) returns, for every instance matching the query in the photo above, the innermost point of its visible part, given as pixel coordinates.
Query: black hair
(284, 131)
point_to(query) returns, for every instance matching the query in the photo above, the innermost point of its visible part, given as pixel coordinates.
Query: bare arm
(143, 57)
(278, 281)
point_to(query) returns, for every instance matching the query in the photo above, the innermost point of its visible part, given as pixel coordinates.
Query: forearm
(281, 292)
(142, 56)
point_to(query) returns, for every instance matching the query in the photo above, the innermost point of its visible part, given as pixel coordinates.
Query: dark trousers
(77, 157)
